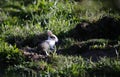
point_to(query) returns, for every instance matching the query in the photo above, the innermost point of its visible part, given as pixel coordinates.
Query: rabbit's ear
(49, 32)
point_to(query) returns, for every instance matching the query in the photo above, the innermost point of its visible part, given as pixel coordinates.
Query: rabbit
(48, 44)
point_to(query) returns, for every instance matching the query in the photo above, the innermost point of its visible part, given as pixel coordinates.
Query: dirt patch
(32, 54)
(85, 49)
(107, 28)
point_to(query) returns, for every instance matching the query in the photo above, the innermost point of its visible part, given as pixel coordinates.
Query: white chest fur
(51, 42)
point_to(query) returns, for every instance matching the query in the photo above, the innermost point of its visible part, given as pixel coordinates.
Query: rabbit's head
(51, 36)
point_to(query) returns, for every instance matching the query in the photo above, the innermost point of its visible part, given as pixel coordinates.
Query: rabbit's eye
(52, 37)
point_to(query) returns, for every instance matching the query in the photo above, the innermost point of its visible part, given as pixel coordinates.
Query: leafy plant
(9, 55)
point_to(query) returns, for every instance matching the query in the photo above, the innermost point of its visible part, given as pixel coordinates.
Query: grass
(21, 21)
(69, 66)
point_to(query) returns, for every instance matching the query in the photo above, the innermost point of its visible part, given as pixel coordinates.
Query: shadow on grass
(106, 28)
(92, 49)
(31, 40)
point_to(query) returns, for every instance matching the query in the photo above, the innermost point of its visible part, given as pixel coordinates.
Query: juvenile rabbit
(49, 44)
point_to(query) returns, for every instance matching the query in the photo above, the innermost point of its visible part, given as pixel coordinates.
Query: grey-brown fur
(43, 48)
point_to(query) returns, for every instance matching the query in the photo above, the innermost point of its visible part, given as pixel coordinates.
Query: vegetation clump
(88, 33)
